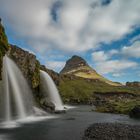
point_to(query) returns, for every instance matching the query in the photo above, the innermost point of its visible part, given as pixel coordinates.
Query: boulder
(135, 112)
(47, 105)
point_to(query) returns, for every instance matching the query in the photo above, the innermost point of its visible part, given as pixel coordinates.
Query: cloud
(105, 64)
(117, 74)
(132, 51)
(136, 38)
(114, 66)
(55, 65)
(99, 56)
(70, 25)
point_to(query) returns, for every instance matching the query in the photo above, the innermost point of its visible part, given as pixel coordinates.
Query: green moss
(122, 107)
(3, 38)
(36, 76)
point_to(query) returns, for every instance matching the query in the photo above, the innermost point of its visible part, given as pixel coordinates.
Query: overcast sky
(104, 32)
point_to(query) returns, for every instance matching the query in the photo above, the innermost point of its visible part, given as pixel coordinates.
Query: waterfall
(49, 88)
(16, 99)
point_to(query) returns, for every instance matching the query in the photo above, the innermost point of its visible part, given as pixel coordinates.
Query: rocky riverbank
(112, 131)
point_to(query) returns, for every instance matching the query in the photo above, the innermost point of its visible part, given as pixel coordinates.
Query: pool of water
(69, 126)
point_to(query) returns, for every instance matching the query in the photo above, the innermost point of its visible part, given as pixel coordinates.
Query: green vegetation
(76, 90)
(83, 90)
(36, 75)
(122, 107)
(112, 99)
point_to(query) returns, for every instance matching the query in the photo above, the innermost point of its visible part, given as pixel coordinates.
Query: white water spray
(49, 88)
(16, 101)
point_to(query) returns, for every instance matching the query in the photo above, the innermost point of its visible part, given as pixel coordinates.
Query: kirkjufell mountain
(77, 66)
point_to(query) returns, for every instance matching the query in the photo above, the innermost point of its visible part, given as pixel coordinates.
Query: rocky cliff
(27, 63)
(3, 45)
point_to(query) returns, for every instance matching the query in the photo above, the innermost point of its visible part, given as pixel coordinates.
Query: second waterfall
(49, 88)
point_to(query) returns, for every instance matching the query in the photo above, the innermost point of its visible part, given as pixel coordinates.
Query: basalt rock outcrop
(135, 112)
(133, 84)
(27, 63)
(3, 46)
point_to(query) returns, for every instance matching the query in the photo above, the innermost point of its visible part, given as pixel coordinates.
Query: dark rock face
(54, 75)
(47, 104)
(135, 112)
(3, 46)
(110, 131)
(74, 63)
(27, 63)
(133, 84)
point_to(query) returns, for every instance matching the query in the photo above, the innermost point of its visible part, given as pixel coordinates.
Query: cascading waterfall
(49, 88)
(16, 99)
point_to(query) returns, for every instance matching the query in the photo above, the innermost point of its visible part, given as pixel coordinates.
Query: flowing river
(69, 126)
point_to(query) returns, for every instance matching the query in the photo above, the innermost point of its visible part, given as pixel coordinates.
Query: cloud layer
(70, 25)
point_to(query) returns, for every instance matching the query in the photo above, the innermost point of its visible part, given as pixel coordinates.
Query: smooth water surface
(69, 126)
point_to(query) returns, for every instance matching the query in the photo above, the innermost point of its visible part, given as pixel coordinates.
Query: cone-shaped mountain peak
(77, 66)
(73, 63)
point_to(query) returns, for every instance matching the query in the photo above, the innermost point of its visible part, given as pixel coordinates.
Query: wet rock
(112, 131)
(47, 105)
(135, 112)
(60, 111)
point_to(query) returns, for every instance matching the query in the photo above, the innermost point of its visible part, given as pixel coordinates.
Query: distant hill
(79, 67)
